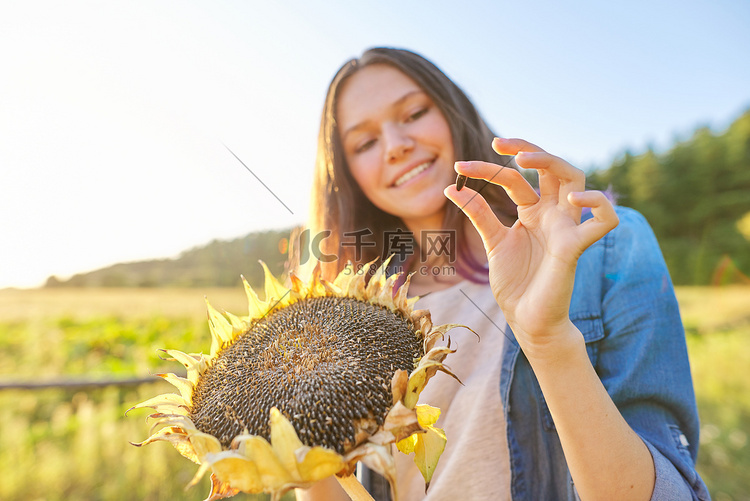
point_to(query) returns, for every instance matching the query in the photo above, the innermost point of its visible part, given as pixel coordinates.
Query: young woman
(580, 385)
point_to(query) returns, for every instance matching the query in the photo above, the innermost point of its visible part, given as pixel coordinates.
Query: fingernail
(460, 182)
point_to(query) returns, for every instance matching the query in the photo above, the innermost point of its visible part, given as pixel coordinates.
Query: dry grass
(57, 445)
(708, 309)
(34, 304)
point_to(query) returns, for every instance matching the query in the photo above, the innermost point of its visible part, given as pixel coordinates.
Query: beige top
(475, 464)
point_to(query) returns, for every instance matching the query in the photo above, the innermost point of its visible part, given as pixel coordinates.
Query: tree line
(219, 264)
(696, 195)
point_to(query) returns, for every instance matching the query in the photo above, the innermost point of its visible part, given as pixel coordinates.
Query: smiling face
(397, 144)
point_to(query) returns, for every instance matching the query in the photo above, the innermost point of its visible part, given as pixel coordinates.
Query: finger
(557, 178)
(567, 174)
(565, 178)
(513, 146)
(605, 218)
(479, 213)
(549, 185)
(519, 190)
(536, 158)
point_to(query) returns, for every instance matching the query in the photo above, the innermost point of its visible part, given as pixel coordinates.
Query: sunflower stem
(355, 489)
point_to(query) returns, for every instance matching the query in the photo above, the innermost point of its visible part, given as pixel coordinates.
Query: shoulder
(632, 225)
(632, 247)
(630, 216)
(627, 262)
(631, 243)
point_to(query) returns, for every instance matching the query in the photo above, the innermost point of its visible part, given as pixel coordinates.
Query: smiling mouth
(414, 172)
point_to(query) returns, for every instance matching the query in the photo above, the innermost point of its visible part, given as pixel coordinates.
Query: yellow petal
(344, 277)
(204, 444)
(330, 289)
(275, 292)
(318, 463)
(411, 302)
(401, 421)
(175, 436)
(356, 286)
(386, 294)
(194, 366)
(401, 300)
(168, 401)
(220, 490)
(407, 445)
(239, 472)
(204, 467)
(256, 307)
(427, 450)
(377, 281)
(272, 473)
(427, 446)
(182, 422)
(298, 286)
(285, 442)
(418, 380)
(168, 434)
(419, 377)
(221, 329)
(238, 325)
(427, 415)
(182, 384)
(316, 287)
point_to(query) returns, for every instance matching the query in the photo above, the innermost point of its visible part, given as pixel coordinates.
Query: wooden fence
(77, 384)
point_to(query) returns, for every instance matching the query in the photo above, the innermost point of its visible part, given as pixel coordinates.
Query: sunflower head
(315, 378)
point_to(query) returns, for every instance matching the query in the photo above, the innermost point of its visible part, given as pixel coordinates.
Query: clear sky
(113, 115)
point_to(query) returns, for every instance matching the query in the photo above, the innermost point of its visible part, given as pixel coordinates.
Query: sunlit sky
(114, 115)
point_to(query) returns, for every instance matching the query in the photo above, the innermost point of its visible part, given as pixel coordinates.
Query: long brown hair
(340, 206)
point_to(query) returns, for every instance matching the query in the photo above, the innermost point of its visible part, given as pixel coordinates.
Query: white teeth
(416, 170)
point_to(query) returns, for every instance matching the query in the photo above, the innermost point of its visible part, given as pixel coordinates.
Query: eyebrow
(394, 104)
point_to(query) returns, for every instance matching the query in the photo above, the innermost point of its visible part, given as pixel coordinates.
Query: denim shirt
(624, 304)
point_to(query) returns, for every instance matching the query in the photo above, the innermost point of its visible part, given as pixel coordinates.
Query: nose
(397, 143)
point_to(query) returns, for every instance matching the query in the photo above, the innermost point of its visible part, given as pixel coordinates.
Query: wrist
(556, 345)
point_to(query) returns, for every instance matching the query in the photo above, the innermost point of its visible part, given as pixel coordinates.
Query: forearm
(606, 458)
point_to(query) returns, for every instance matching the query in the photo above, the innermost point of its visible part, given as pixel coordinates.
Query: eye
(361, 148)
(417, 114)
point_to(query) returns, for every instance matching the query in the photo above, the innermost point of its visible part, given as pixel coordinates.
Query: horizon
(200, 245)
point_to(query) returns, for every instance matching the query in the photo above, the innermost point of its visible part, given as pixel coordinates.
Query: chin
(434, 211)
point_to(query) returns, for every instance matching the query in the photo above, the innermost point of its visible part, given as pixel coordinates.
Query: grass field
(60, 444)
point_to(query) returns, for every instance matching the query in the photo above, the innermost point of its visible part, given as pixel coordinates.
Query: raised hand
(532, 263)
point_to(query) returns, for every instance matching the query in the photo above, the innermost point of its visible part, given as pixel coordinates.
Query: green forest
(696, 195)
